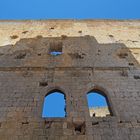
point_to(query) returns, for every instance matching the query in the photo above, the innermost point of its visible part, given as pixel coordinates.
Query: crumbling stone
(24, 32)
(14, 36)
(43, 83)
(136, 77)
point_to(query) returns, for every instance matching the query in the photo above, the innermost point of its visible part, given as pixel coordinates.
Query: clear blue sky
(65, 9)
(54, 104)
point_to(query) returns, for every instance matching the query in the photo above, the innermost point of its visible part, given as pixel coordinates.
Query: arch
(102, 104)
(54, 104)
(55, 88)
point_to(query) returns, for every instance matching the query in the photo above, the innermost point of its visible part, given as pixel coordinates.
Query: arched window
(54, 104)
(98, 104)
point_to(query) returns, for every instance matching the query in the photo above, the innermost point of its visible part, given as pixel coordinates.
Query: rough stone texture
(99, 111)
(96, 55)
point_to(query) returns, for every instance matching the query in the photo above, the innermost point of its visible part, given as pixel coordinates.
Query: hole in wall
(123, 55)
(79, 129)
(24, 32)
(55, 48)
(134, 41)
(63, 36)
(121, 122)
(52, 28)
(111, 36)
(39, 54)
(43, 84)
(136, 77)
(130, 64)
(25, 123)
(99, 52)
(14, 36)
(80, 31)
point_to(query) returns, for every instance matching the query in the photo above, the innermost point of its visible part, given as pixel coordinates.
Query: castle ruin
(95, 55)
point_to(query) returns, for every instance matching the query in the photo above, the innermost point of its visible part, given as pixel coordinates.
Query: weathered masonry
(74, 58)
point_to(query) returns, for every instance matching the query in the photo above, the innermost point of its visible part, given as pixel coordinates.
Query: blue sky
(65, 9)
(54, 103)
(96, 100)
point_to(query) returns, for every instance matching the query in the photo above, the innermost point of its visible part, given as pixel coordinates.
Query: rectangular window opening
(55, 48)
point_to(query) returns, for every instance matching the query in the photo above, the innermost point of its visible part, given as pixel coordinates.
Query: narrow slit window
(98, 104)
(54, 105)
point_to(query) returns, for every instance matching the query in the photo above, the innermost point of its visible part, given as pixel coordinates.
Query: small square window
(55, 48)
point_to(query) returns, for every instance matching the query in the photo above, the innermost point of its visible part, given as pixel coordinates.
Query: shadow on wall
(45, 53)
(66, 51)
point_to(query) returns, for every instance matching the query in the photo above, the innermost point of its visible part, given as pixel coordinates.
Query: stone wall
(99, 111)
(96, 55)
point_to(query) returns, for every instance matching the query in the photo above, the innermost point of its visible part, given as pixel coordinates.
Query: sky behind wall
(54, 104)
(65, 9)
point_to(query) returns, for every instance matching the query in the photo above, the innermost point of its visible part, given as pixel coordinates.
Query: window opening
(98, 104)
(56, 48)
(54, 105)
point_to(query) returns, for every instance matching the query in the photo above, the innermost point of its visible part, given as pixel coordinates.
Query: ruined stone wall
(99, 111)
(96, 55)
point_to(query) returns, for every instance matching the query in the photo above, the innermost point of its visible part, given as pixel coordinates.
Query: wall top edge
(75, 20)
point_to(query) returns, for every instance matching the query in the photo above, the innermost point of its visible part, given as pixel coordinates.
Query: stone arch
(55, 88)
(55, 91)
